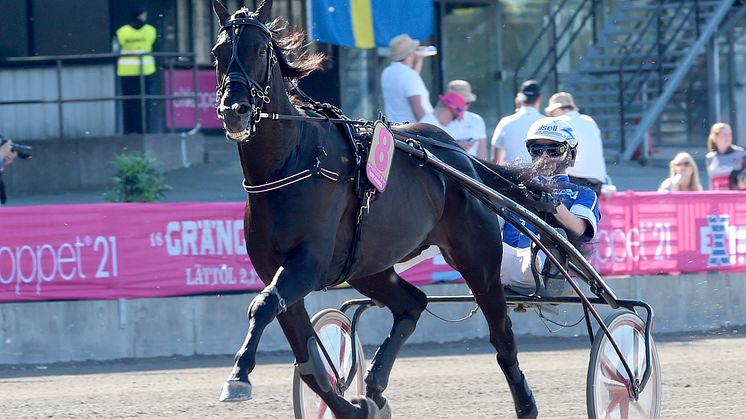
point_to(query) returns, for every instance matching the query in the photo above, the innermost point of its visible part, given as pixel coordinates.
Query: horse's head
(245, 58)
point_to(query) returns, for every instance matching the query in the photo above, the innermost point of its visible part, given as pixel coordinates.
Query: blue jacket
(580, 200)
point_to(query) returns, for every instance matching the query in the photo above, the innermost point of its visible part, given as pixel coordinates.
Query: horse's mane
(288, 42)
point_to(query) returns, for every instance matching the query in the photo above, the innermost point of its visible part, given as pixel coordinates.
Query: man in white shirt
(469, 131)
(508, 140)
(590, 167)
(450, 108)
(405, 97)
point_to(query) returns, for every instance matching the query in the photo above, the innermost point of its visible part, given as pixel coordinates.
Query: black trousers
(132, 117)
(3, 196)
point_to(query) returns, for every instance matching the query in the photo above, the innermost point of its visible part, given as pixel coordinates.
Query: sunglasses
(552, 150)
(682, 163)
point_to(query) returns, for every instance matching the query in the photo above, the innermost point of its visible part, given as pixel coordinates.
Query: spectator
(508, 139)
(683, 175)
(469, 132)
(449, 109)
(552, 144)
(590, 167)
(723, 156)
(405, 97)
(135, 37)
(7, 155)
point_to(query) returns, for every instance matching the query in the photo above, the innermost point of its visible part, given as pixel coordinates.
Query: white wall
(82, 119)
(47, 332)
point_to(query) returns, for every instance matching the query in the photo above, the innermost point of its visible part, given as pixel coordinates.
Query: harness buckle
(365, 208)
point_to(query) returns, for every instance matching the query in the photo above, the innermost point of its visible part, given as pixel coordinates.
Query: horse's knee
(314, 367)
(268, 302)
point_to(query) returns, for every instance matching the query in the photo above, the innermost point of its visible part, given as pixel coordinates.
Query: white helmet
(552, 129)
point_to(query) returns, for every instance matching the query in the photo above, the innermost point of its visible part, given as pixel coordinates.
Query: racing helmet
(556, 130)
(553, 129)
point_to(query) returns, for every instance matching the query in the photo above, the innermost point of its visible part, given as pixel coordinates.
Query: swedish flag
(369, 23)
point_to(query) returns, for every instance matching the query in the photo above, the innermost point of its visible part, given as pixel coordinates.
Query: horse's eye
(262, 51)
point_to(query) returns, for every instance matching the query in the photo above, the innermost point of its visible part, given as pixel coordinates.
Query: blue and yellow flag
(369, 23)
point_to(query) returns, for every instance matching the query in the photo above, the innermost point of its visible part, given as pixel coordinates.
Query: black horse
(300, 228)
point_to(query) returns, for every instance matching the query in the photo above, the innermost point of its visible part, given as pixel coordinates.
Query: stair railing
(550, 25)
(677, 76)
(661, 47)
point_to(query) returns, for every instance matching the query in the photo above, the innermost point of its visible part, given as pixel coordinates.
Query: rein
(260, 92)
(399, 136)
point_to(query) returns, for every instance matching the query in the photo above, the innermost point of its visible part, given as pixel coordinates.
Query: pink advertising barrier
(107, 251)
(180, 112)
(648, 233)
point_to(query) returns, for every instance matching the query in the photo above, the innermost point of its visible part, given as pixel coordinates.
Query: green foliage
(137, 180)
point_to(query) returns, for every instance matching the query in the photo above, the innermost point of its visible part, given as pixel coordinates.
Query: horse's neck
(274, 146)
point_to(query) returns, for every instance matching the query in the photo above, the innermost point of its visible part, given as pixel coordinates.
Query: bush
(137, 180)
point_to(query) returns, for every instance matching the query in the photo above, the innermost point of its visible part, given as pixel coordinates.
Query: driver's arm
(571, 222)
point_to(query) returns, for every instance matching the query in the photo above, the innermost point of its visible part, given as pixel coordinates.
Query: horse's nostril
(240, 108)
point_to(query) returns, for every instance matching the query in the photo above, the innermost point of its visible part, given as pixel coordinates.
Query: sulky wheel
(607, 386)
(333, 329)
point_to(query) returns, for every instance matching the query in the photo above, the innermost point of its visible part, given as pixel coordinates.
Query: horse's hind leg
(406, 303)
(479, 264)
(494, 308)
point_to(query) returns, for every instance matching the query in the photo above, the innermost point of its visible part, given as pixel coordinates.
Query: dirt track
(702, 378)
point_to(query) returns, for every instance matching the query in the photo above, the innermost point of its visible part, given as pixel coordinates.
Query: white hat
(401, 46)
(463, 88)
(552, 129)
(560, 100)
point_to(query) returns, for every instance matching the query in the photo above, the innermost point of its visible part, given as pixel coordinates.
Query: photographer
(8, 152)
(7, 155)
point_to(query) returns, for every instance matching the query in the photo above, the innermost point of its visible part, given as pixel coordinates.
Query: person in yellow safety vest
(136, 37)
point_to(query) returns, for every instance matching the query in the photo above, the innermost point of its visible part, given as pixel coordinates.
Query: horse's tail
(515, 182)
(520, 185)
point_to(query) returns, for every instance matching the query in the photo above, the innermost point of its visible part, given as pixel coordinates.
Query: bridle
(259, 92)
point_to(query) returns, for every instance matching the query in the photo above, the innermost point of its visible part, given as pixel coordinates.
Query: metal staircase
(645, 77)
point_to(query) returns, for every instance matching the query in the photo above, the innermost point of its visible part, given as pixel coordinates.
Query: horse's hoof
(385, 411)
(370, 405)
(235, 391)
(533, 413)
(528, 409)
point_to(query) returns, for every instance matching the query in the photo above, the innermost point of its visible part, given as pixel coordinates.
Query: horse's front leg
(308, 361)
(271, 301)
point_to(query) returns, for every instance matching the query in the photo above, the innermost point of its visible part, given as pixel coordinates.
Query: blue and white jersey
(581, 201)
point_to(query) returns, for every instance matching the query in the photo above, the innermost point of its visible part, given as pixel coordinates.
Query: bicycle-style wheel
(334, 331)
(607, 391)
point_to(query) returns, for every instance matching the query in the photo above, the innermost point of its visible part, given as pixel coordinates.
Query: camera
(24, 151)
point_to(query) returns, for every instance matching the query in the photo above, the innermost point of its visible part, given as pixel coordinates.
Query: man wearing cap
(552, 145)
(508, 138)
(469, 131)
(450, 108)
(405, 97)
(590, 167)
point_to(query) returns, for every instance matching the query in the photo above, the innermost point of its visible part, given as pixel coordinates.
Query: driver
(552, 145)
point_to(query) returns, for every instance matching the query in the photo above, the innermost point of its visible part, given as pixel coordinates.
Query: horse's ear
(220, 11)
(263, 10)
